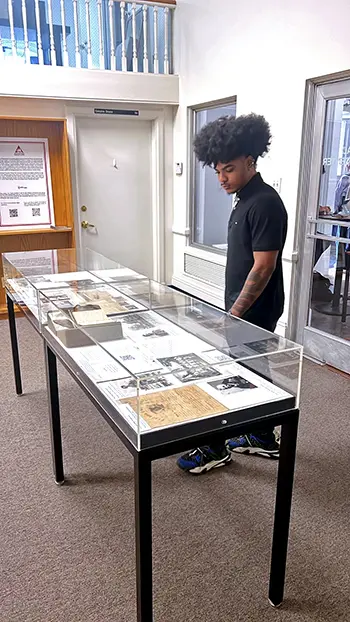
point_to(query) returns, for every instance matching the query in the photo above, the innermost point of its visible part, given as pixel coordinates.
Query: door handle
(86, 225)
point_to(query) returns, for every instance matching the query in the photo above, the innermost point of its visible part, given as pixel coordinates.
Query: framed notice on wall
(25, 183)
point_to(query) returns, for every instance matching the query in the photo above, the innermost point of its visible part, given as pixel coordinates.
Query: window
(211, 206)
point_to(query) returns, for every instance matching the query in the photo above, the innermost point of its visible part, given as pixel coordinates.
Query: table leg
(345, 296)
(282, 510)
(337, 288)
(14, 345)
(338, 278)
(143, 527)
(54, 414)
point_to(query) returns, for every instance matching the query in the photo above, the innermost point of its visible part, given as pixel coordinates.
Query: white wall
(86, 84)
(263, 53)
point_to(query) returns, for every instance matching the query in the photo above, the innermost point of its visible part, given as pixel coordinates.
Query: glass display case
(163, 365)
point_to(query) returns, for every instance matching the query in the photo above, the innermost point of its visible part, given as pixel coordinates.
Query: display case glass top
(162, 364)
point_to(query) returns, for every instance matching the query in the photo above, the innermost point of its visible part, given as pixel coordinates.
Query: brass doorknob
(85, 224)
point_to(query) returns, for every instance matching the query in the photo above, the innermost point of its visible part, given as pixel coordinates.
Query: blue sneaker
(250, 444)
(203, 459)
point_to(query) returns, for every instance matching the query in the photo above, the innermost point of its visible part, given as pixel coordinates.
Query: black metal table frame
(143, 473)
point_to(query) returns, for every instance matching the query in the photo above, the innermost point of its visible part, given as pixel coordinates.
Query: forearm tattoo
(255, 284)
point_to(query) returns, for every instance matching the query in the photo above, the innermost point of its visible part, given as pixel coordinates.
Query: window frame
(192, 111)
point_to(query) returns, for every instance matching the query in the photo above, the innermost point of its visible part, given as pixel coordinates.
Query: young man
(256, 235)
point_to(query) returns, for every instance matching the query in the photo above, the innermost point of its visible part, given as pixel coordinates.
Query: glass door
(323, 316)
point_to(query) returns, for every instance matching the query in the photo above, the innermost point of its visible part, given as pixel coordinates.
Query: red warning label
(19, 151)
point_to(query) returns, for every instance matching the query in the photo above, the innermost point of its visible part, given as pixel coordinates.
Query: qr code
(13, 213)
(35, 211)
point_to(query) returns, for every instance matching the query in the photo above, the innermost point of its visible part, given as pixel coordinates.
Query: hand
(233, 312)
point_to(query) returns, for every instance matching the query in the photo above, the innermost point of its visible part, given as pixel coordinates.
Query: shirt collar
(250, 187)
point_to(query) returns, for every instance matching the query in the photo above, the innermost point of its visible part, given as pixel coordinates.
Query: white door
(322, 309)
(114, 164)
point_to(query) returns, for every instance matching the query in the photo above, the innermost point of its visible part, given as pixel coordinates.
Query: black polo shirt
(257, 223)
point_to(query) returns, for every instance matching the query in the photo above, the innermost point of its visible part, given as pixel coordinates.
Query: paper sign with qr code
(25, 183)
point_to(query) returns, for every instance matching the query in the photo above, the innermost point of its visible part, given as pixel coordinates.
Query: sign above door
(111, 111)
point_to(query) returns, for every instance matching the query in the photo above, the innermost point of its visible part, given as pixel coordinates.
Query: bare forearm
(255, 284)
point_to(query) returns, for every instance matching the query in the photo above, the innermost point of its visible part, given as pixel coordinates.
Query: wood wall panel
(36, 242)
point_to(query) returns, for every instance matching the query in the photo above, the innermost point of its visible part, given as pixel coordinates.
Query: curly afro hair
(229, 138)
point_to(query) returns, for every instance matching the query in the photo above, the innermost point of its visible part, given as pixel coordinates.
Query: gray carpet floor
(67, 554)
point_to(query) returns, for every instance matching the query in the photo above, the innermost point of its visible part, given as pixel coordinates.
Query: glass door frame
(318, 344)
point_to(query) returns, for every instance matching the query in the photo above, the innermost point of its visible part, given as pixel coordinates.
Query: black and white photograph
(189, 367)
(114, 305)
(149, 382)
(60, 299)
(241, 353)
(78, 280)
(232, 384)
(127, 305)
(265, 345)
(136, 321)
